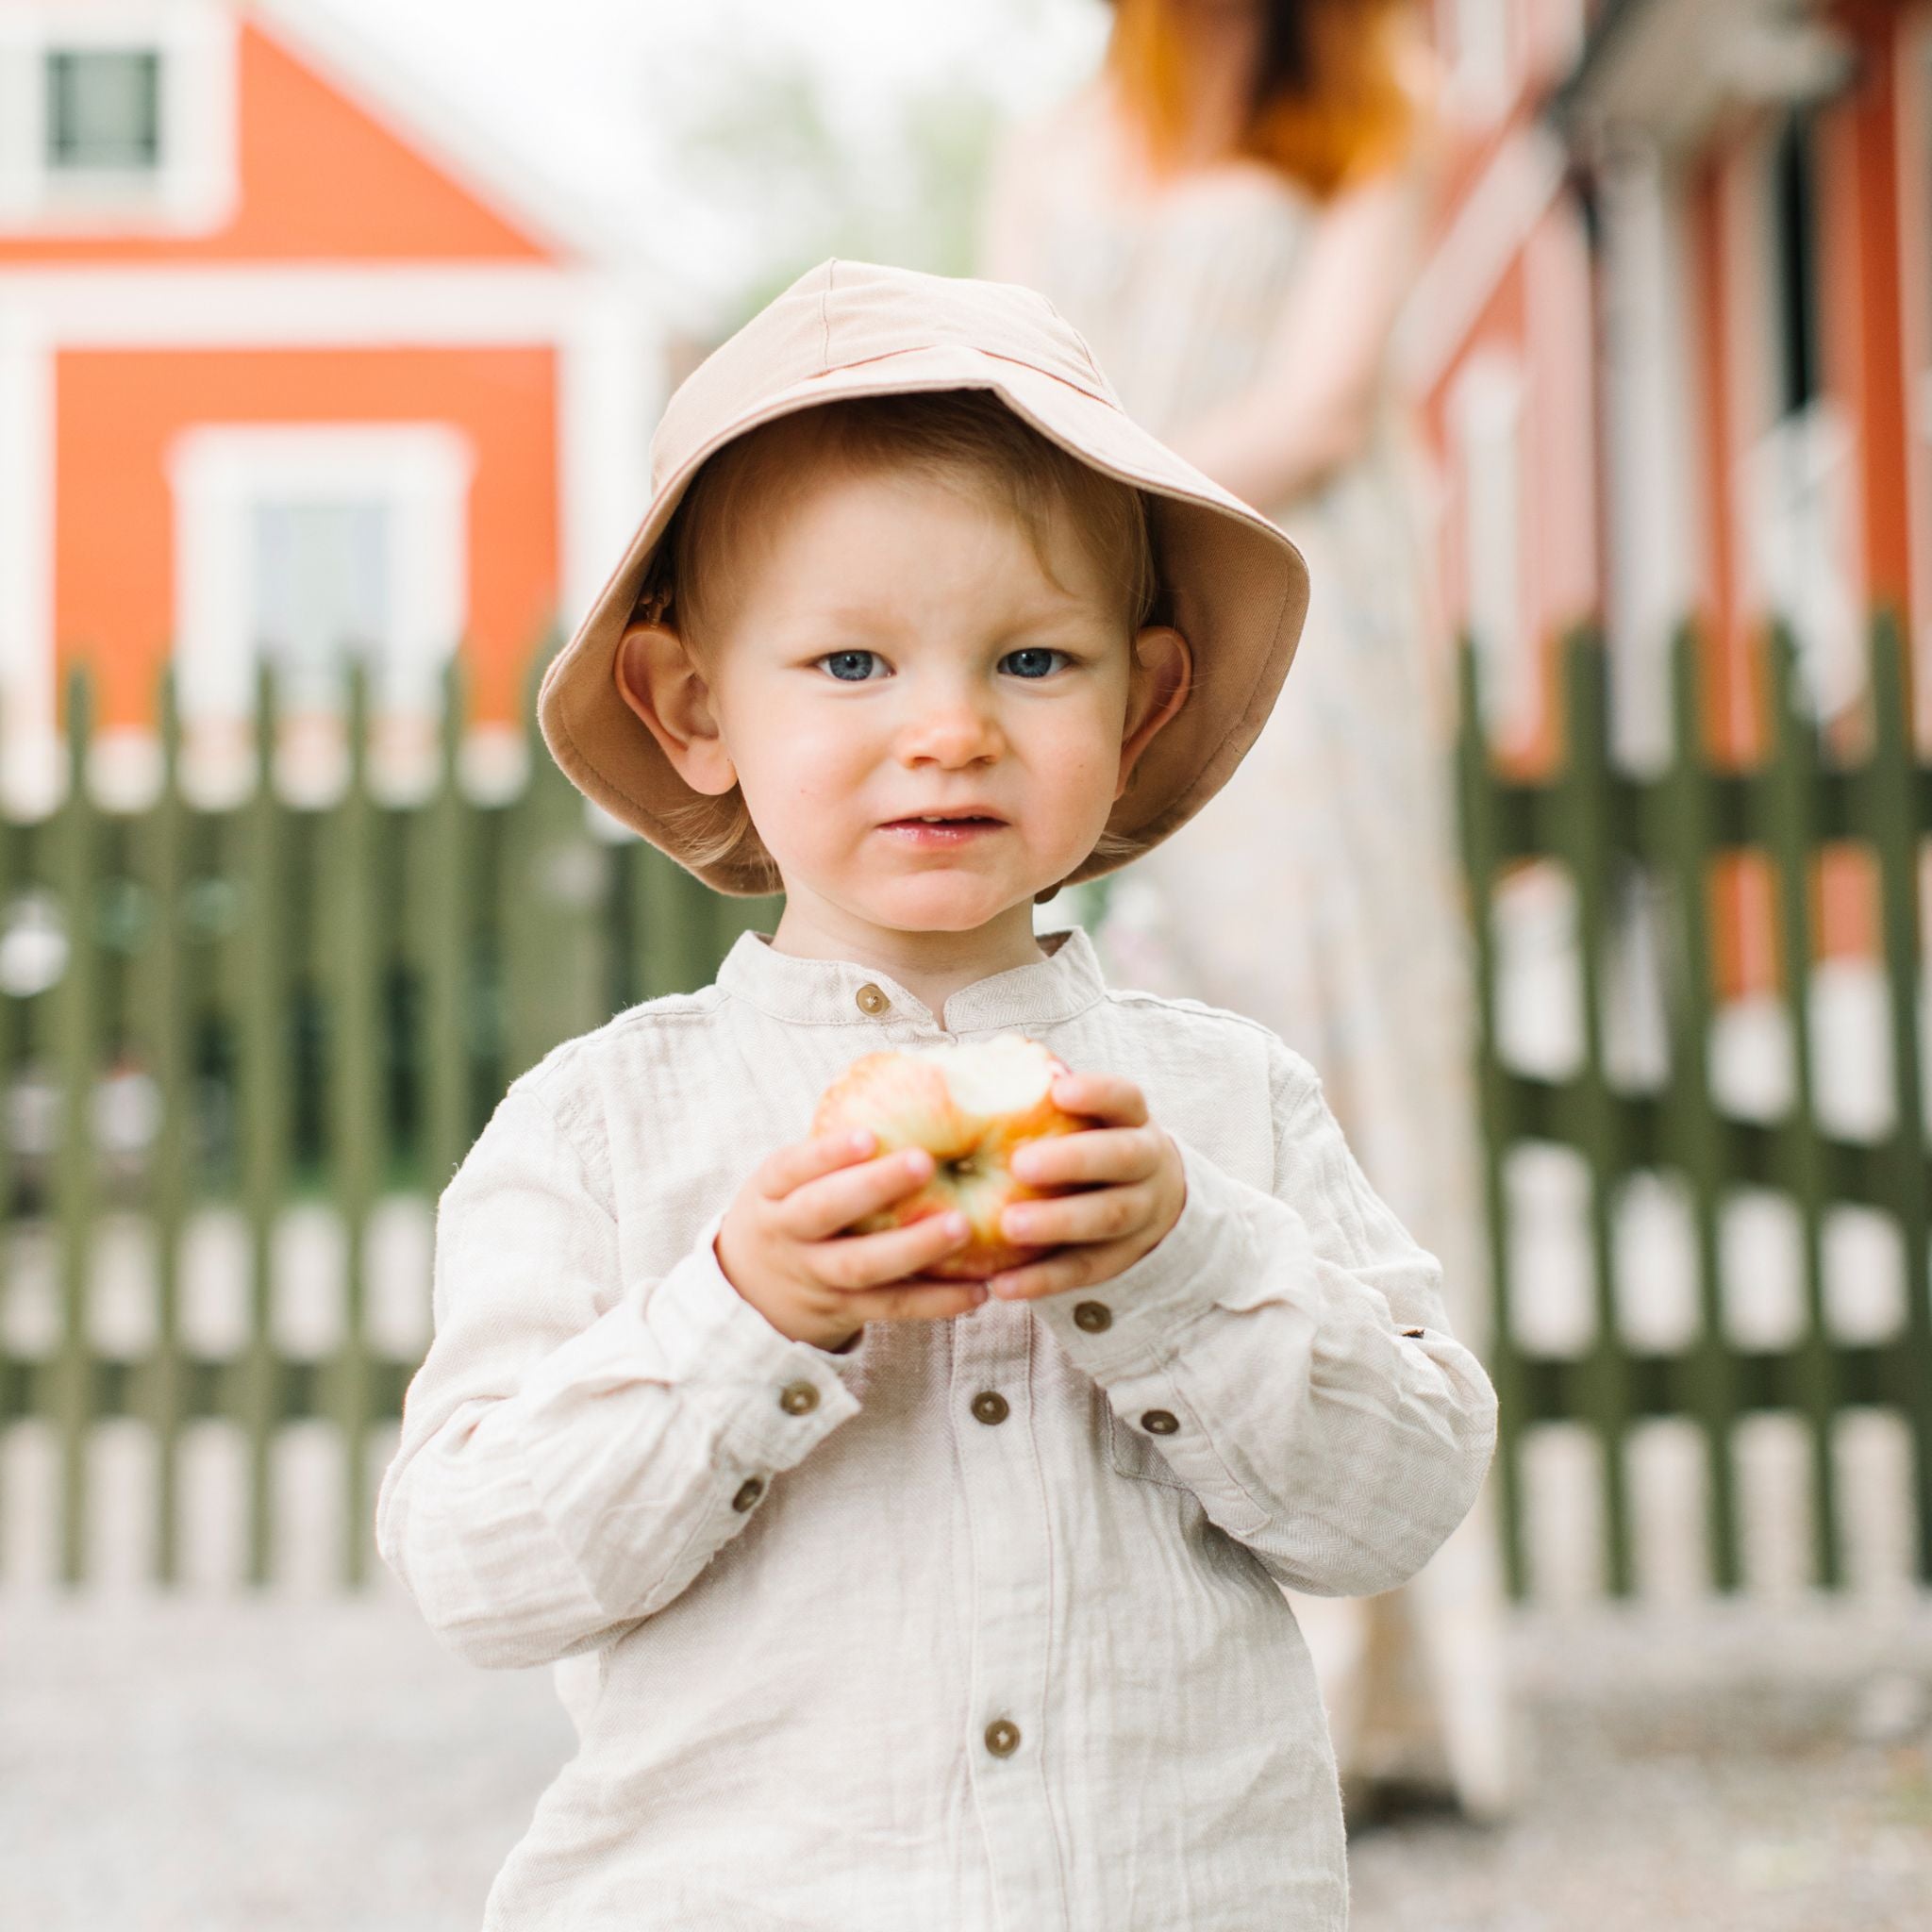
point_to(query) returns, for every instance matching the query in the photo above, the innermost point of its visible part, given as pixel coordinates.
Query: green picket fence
(323, 1001)
(1602, 826)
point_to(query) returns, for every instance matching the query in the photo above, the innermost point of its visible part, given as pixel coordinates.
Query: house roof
(430, 122)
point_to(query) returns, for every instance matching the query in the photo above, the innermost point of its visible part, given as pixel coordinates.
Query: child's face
(894, 647)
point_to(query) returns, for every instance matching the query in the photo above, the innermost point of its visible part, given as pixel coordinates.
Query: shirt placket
(1008, 1710)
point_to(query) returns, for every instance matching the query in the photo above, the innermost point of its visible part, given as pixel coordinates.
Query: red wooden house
(292, 360)
(1676, 348)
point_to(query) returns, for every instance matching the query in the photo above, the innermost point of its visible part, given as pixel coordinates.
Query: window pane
(321, 590)
(104, 110)
(1797, 199)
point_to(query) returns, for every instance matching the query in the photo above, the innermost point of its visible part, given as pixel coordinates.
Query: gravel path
(204, 1763)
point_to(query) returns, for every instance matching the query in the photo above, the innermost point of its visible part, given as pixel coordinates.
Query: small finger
(918, 1300)
(832, 1201)
(865, 1260)
(1066, 1268)
(1101, 1096)
(803, 1160)
(1106, 1214)
(1100, 1154)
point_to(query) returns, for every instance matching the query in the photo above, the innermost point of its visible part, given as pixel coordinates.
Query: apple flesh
(969, 1108)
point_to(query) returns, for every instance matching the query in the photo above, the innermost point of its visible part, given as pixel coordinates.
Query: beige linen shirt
(978, 1625)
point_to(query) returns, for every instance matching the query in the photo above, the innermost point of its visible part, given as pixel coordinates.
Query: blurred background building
(292, 358)
(1673, 347)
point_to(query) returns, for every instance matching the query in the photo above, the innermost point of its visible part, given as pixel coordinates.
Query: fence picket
(163, 1030)
(1895, 829)
(350, 958)
(78, 1055)
(260, 987)
(443, 897)
(14, 880)
(1790, 823)
(1681, 829)
(1481, 846)
(1583, 838)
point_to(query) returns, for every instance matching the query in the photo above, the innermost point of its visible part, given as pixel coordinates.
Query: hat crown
(842, 313)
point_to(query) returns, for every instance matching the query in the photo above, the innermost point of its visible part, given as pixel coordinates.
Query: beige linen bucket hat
(1234, 586)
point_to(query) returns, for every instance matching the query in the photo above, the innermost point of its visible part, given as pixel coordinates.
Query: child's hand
(1135, 1188)
(781, 1248)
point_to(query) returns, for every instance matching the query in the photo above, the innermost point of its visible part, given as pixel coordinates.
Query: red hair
(1328, 104)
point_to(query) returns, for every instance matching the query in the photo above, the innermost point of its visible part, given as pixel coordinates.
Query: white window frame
(1796, 491)
(421, 470)
(1488, 435)
(1799, 498)
(194, 188)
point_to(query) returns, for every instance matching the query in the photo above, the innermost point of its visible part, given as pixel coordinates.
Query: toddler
(913, 1605)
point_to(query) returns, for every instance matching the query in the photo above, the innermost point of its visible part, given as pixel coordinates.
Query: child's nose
(952, 732)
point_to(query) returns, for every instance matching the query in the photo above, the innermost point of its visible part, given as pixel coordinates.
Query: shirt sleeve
(1288, 1353)
(577, 1447)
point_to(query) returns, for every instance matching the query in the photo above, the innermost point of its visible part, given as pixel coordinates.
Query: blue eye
(835, 657)
(1034, 651)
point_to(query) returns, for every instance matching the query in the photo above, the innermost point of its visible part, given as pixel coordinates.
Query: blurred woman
(1231, 213)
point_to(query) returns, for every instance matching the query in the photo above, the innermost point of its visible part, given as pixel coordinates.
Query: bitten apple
(969, 1108)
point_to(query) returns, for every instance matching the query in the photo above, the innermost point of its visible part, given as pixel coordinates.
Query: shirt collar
(825, 992)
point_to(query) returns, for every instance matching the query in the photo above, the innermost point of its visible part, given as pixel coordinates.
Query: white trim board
(300, 306)
(28, 754)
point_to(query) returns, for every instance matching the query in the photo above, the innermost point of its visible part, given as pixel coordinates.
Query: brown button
(1157, 1422)
(871, 1000)
(1092, 1316)
(991, 1406)
(798, 1398)
(1413, 1334)
(1002, 1738)
(749, 1490)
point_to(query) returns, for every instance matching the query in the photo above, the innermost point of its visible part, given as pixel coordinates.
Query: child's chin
(948, 905)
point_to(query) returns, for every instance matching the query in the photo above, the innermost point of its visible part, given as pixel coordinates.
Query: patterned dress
(1318, 891)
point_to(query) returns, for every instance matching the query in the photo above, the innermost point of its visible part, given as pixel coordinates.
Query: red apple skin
(906, 1102)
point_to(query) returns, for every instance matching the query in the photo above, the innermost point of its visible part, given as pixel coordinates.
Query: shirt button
(991, 1406)
(749, 1490)
(798, 1398)
(1092, 1316)
(1157, 1422)
(871, 1000)
(1002, 1738)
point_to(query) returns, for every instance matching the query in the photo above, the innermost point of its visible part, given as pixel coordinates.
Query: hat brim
(1237, 588)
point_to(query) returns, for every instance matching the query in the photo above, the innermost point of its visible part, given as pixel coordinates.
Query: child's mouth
(940, 832)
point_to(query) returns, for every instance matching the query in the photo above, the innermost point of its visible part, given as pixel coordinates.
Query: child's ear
(657, 676)
(1162, 675)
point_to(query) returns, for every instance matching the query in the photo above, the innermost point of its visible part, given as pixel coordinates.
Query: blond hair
(964, 439)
